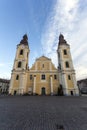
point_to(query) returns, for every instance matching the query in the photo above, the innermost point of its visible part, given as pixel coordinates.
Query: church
(43, 78)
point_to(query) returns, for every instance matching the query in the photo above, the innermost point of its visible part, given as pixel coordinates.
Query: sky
(43, 21)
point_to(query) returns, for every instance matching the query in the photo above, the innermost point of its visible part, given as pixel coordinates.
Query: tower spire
(24, 40)
(62, 41)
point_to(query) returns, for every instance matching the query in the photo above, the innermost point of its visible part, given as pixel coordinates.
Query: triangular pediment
(43, 58)
(43, 63)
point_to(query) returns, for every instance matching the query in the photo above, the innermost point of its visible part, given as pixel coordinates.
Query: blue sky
(43, 20)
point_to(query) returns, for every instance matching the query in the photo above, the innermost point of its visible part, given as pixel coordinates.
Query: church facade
(43, 78)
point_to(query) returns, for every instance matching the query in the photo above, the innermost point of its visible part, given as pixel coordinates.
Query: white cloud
(5, 70)
(67, 18)
(1, 64)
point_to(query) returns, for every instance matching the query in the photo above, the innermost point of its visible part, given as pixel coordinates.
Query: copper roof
(62, 41)
(24, 40)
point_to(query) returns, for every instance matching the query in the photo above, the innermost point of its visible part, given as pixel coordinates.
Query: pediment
(43, 58)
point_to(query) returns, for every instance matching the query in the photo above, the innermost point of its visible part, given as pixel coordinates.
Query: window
(69, 77)
(67, 64)
(21, 52)
(65, 52)
(19, 64)
(30, 77)
(17, 77)
(55, 76)
(43, 77)
(43, 66)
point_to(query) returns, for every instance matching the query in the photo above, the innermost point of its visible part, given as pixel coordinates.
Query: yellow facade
(43, 78)
(42, 66)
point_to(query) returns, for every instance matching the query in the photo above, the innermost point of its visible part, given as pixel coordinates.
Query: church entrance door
(72, 93)
(43, 91)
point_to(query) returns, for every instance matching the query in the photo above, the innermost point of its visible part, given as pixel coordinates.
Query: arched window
(69, 77)
(67, 64)
(42, 65)
(31, 77)
(21, 52)
(65, 52)
(17, 77)
(55, 76)
(19, 64)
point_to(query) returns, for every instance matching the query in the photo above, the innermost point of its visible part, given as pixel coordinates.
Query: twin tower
(43, 78)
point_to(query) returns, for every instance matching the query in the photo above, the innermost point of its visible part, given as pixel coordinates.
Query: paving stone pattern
(43, 113)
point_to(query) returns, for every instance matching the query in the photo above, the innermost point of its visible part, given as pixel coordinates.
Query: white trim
(51, 80)
(34, 87)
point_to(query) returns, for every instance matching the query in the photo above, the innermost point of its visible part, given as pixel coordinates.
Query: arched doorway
(71, 93)
(43, 91)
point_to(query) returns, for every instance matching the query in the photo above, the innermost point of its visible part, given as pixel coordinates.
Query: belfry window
(17, 77)
(43, 76)
(67, 64)
(19, 64)
(65, 52)
(21, 52)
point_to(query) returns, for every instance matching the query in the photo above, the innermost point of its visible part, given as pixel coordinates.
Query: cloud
(1, 64)
(68, 18)
(5, 70)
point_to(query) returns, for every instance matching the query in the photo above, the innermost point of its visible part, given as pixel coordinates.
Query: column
(22, 86)
(75, 85)
(51, 80)
(64, 85)
(34, 87)
(11, 84)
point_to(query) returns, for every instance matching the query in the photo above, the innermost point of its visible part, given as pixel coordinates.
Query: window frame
(43, 77)
(67, 64)
(19, 64)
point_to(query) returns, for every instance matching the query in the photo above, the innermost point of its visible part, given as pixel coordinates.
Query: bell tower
(19, 73)
(67, 74)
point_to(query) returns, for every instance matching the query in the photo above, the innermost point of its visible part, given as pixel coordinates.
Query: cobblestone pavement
(43, 113)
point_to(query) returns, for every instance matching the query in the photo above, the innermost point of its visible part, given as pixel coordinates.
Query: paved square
(43, 113)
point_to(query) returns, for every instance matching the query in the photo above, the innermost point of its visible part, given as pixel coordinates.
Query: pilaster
(34, 87)
(11, 84)
(65, 88)
(51, 81)
(75, 85)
